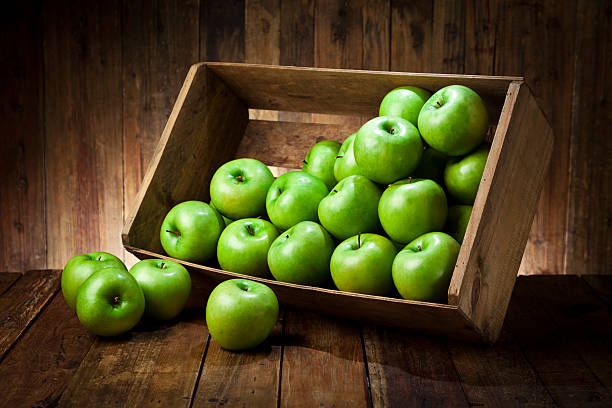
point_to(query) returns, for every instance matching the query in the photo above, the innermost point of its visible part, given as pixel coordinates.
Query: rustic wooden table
(555, 351)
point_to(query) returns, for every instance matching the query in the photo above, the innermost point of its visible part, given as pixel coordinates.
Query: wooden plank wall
(90, 86)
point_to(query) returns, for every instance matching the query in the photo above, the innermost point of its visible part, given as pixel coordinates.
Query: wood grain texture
(584, 322)
(23, 235)
(7, 279)
(480, 26)
(549, 348)
(410, 370)
(222, 27)
(245, 378)
(154, 364)
(22, 302)
(339, 91)
(323, 363)
(448, 33)
(376, 35)
(36, 370)
(589, 225)
(411, 35)
(159, 43)
(486, 268)
(285, 144)
(83, 128)
(262, 39)
(188, 153)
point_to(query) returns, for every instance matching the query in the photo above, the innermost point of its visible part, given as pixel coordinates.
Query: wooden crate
(210, 125)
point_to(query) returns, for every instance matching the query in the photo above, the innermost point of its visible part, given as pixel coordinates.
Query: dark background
(88, 86)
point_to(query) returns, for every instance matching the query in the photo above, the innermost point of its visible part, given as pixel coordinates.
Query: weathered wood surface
(554, 351)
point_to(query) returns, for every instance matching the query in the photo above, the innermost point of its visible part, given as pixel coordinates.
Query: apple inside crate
(210, 125)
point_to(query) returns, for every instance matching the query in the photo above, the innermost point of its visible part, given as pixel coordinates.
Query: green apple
(191, 230)
(81, 267)
(294, 197)
(243, 246)
(404, 102)
(362, 264)
(301, 255)
(431, 166)
(351, 208)
(454, 120)
(238, 188)
(240, 313)
(462, 175)
(166, 286)
(423, 270)
(387, 149)
(110, 302)
(320, 161)
(457, 221)
(226, 221)
(345, 164)
(409, 208)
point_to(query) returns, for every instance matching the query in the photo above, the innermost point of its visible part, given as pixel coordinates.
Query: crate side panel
(344, 92)
(432, 318)
(503, 213)
(285, 144)
(203, 132)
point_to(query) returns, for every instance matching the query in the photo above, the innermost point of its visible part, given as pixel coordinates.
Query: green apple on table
(190, 231)
(404, 102)
(294, 197)
(301, 255)
(362, 264)
(462, 175)
(457, 221)
(454, 120)
(81, 267)
(238, 188)
(431, 166)
(411, 207)
(423, 270)
(166, 286)
(241, 313)
(351, 208)
(345, 164)
(243, 246)
(387, 149)
(110, 302)
(320, 161)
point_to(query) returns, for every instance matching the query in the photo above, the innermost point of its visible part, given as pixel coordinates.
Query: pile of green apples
(383, 213)
(110, 300)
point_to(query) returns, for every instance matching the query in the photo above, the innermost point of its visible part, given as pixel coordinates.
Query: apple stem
(339, 157)
(280, 191)
(240, 178)
(334, 190)
(304, 161)
(177, 233)
(392, 131)
(162, 265)
(116, 300)
(250, 229)
(419, 247)
(287, 236)
(99, 258)
(409, 180)
(359, 240)
(438, 104)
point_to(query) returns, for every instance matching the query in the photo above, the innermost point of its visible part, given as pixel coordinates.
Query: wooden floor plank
(36, 370)
(602, 285)
(498, 376)
(155, 364)
(407, 369)
(246, 378)
(585, 323)
(548, 347)
(7, 279)
(22, 302)
(323, 363)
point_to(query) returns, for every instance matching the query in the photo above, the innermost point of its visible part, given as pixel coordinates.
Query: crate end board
(215, 100)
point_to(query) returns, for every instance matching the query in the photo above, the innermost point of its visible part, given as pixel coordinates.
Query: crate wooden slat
(209, 125)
